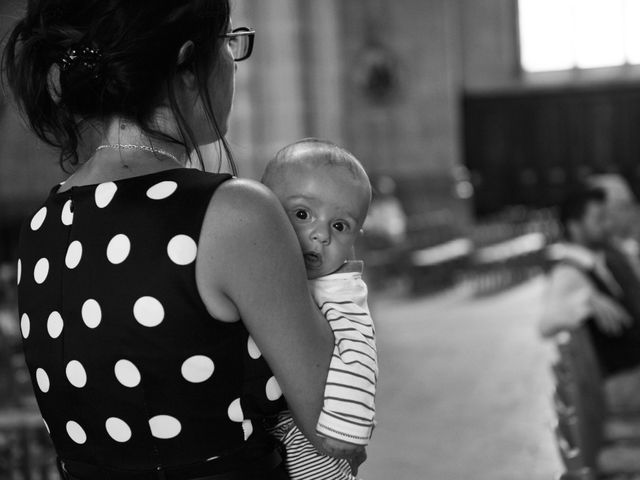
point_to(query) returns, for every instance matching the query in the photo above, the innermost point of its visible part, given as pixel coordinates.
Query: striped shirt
(349, 409)
(349, 398)
(301, 459)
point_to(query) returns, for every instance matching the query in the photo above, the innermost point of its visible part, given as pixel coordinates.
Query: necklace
(118, 146)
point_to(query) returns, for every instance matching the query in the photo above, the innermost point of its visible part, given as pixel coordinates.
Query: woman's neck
(119, 131)
(131, 152)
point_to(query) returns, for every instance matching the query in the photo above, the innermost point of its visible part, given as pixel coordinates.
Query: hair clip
(88, 58)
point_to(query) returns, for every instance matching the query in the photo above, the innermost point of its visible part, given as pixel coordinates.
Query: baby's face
(327, 207)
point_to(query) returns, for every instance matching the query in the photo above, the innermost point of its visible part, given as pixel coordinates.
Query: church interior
(473, 119)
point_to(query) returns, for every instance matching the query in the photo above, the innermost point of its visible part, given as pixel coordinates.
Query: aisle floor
(464, 389)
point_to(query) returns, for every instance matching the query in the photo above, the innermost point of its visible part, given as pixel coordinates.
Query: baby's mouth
(312, 260)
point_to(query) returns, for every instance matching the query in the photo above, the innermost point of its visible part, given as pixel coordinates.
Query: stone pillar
(292, 86)
(489, 44)
(273, 109)
(322, 69)
(402, 87)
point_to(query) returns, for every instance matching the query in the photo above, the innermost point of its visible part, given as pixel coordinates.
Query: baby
(326, 194)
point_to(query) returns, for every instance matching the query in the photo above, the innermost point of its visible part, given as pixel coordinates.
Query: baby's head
(326, 194)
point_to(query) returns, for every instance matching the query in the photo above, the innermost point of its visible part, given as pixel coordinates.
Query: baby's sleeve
(348, 413)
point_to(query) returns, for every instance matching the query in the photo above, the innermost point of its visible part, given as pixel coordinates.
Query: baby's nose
(321, 235)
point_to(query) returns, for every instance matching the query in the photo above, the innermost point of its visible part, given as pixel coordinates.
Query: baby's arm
(349, 408)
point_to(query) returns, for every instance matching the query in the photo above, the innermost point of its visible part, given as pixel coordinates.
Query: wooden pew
(438, 267)
(504, 264)
(26, 452)
(582, 418)
(579, 389)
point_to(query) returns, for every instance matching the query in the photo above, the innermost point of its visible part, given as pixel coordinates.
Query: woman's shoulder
(243, 213)
(241, 188)
(245, 238)
(246, 198)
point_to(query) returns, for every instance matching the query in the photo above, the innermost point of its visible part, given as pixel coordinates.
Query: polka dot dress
(128, 367)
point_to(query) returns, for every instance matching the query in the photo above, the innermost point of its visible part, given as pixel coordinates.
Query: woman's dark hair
(133, 45)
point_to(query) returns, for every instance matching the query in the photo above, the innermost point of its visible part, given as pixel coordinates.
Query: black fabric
(129, 369)
(617, 353)
(266, 467)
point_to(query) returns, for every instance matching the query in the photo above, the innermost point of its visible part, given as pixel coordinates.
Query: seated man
(593, 283)
(622, 215)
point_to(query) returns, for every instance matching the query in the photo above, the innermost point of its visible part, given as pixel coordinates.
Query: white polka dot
(67, 214)
(162, 190)
(74, 254)
(38, 219)
(46, 426)
(118, 249)
(127, 373)
(235, 411)
(76, 374)
(54, 325)
(148, 311)
(182, 249)
(254, 352)
(164, 426)
(41, 271)
(104, 194)
(118, 429)
(197, 369)
(91, 313)
(19, 271)
(247, 428)
(272, 389)
(25, 325)
(76, 432)
(42, 379)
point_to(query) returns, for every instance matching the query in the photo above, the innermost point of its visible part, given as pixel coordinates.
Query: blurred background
(472, 118)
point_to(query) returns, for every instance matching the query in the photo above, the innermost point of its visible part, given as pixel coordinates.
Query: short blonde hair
(316, 152)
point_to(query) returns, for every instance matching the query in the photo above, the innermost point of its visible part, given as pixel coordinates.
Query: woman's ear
(53, 83)
(184, 63)
(185, 54)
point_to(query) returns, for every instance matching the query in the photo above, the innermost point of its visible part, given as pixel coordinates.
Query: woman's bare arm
(249, 254)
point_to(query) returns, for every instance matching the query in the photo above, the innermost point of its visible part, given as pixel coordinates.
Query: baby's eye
(301, 214)
(340, 226)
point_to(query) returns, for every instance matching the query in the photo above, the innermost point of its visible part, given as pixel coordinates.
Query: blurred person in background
(624, 223)
(593, 283)
(622, 213)
(386, 222)
(385, 236)
(156, 300)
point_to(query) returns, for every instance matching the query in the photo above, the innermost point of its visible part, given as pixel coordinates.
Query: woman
(149, 305)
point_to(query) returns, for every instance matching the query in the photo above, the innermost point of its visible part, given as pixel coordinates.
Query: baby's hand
(338, 448)
(354, 454)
